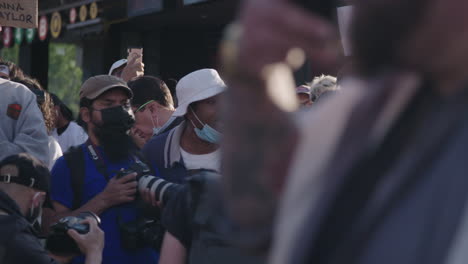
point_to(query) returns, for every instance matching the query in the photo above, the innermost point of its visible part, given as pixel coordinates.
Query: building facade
(178, 36)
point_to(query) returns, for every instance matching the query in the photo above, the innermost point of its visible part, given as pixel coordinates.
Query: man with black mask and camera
(85, 178)
(23, 187)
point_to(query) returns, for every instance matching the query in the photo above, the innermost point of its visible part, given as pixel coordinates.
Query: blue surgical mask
(156, 127)
(207, 133)
(156, 130)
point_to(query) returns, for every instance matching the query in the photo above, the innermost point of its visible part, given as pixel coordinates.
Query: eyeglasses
(142, 107)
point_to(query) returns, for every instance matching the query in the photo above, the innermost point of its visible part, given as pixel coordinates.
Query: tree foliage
(10, 54)
(65, 75)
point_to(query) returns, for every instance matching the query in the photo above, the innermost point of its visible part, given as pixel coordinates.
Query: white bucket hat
(197, 86)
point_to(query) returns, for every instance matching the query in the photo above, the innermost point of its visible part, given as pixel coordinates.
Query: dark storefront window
(141, 7)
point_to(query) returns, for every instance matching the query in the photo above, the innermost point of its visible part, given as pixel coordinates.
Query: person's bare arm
(172, 251)
(117, 191)
(259, 138)
(91, 244)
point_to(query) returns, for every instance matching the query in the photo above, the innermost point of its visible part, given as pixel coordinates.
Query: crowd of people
(368, 168)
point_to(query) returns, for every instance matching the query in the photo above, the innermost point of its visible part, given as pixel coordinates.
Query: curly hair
(323, 84)
(15, 71)
(44, 100)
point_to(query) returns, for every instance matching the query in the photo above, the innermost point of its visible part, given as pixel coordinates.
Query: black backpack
(76, 163)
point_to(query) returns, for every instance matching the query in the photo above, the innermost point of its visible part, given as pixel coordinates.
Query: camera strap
(97, 159)
(100, 164)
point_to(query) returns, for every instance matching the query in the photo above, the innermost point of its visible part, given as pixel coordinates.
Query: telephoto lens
(162, 189)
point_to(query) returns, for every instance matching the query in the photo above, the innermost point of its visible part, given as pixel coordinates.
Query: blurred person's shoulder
(15, 91)
(322, 131)
(20, 243)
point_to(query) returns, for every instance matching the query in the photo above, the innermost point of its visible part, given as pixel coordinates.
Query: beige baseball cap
(97, 85)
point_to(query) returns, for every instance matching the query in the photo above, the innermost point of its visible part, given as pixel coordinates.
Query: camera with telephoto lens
(59, 242)
(162, 189)
(147, 230)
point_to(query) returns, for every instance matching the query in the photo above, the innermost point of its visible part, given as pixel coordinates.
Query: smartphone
(324, 8)
(134, 50)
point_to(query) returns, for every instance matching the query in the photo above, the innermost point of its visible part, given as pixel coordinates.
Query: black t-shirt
(176, 217)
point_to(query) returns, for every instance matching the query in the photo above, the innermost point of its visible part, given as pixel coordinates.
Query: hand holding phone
(134, 53)
(135, 66)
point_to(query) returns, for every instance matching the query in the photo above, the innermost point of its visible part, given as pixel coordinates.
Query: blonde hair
(323, 84)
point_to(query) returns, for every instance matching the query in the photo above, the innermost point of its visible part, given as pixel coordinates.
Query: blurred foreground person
(24, 184)
(22, 127)
(378, 173)
(44, 101)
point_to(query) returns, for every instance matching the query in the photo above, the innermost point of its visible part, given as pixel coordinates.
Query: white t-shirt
(55, 151)
(210, 161)
(74, 135)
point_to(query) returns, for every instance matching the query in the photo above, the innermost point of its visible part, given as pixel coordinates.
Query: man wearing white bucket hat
(194, 144)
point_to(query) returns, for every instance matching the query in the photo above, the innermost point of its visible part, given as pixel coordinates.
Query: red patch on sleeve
(14, 111)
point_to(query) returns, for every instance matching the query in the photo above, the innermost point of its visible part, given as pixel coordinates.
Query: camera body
(59, 242)
(144, 231)
(139, 167)
(141, 233)
(147, 230)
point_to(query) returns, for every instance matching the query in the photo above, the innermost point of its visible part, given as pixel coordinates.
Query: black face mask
(113, 133)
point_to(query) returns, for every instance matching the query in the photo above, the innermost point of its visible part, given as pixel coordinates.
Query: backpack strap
(76, 163)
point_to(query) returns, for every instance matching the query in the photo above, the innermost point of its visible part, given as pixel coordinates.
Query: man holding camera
(85, 178)
(23, 187)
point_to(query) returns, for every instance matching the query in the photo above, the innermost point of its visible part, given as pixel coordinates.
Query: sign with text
(142, 7)
(18, 13)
